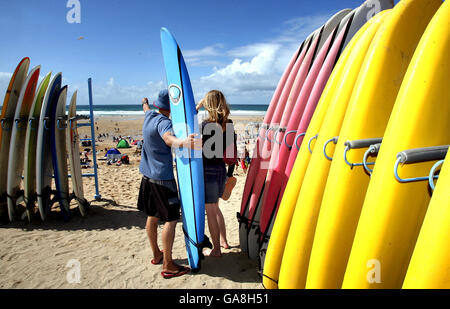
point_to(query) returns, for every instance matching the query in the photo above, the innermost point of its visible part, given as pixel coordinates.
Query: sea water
(136, 110)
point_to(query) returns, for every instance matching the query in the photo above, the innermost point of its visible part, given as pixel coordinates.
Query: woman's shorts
(215, 178)
(159, 199)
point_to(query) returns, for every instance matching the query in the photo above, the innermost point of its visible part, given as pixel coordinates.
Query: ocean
(136, 110)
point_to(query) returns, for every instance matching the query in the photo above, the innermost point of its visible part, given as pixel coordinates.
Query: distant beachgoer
(215, 172)
(158, 194)
(247, 157)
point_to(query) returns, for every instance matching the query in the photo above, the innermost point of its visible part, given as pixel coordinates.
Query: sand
(109, 248)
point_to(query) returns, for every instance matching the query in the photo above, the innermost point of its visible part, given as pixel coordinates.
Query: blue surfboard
(189, 162)
(57, 165)
(44, 167)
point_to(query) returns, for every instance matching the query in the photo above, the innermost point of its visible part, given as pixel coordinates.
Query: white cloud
(302, 26)
(110, 82)
(112, 93)
(246, 74)
(5, 77)
(252, 50)
(204, 57)
(213, 50)
(253, 70)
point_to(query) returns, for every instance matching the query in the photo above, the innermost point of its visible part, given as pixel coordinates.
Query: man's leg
(168, 236)
(152, 233)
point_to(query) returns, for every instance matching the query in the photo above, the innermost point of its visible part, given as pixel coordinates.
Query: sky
(240, 47)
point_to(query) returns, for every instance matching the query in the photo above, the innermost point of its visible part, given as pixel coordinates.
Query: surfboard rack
(335, 141)
(359, 144)
(310, 141)
(4, 123)
(420, 155)
(373, 150)
(431, 177)
(91, 124)
(296, 140)
(286, 135)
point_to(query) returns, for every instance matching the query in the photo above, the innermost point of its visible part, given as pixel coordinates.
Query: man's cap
(163, 100)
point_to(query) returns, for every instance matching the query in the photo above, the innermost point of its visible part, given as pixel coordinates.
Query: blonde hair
(216, 105)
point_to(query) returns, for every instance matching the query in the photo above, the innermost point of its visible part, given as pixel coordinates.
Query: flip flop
(229, 186)
(182, 271)
(155, 262)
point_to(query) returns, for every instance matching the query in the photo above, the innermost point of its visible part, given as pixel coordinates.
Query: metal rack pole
(92, 122)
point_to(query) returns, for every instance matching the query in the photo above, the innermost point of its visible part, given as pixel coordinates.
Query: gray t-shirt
(156, 159)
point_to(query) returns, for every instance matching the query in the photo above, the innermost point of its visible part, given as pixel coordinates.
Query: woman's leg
(222, 229)
(214, 230)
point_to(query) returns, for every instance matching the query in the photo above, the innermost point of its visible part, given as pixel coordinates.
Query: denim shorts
(215, 178)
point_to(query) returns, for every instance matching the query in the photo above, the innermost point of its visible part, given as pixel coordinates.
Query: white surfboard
(73, 149)
(59, 153)
(16, 149)
(329, 26)
(365, 12)
(29, 174)
(7, 119)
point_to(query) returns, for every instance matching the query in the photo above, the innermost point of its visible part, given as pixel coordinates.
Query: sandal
(181, 271)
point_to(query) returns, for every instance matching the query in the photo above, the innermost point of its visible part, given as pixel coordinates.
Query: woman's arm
(230, 170)
(199, 105)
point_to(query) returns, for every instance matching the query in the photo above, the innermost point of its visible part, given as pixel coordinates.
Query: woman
(215, 130)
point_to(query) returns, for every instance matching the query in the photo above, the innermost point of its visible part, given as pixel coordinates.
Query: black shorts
(158, 200)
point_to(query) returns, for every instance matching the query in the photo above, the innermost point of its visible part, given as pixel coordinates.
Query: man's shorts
(159, 199)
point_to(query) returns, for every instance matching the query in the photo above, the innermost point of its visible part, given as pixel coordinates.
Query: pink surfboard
(289, 102)
(265, 125)
(261, 149)
(312, 93)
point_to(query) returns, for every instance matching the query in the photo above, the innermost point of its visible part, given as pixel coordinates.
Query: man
(158, 197)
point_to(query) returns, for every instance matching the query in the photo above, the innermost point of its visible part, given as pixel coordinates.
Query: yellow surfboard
(393, 211)
(430, 263)
(282, 222)
(336, 103)
(346, 68)
(366, 117)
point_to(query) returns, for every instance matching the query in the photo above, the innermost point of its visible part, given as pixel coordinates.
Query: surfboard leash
(206, 243)
(82, 201)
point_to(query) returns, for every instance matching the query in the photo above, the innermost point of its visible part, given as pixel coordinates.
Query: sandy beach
(110, 245)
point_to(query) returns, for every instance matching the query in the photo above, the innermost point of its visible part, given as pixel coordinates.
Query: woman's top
(215, 141)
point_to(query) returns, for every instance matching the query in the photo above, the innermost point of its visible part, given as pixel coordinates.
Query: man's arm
(145, 105)
(190, 142)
